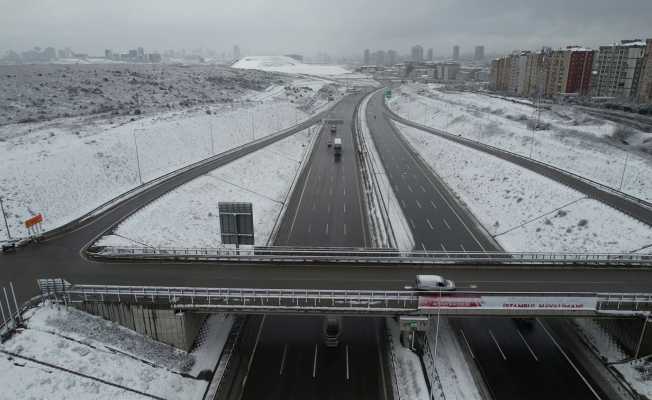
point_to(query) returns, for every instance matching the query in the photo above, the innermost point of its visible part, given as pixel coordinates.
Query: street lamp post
(133, 132)
(210, 133)
(4, 216)
(622, 177)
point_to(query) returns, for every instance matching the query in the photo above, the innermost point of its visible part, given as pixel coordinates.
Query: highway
(515, 364)
(291, 360)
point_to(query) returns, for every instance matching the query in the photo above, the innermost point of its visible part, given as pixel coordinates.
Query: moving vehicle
(329, 143)
(333, 128)
(337, 145)
(332, 331)
(433, 283)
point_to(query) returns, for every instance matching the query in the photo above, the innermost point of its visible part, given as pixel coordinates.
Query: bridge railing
(363, 255)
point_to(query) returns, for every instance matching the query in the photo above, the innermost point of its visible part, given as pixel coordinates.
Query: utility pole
(4, 216)
(253, 135)
(140, 176)
(210, 132)
(622, 177)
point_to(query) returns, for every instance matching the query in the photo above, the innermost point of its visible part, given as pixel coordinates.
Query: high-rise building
(236, 52)
(479, 53)
(617, 69)
(456, 52)
(378, 57)
(366, 58)
(430, 55)
(392, 57)
(580, 67)
(645, 84)
(417, 53)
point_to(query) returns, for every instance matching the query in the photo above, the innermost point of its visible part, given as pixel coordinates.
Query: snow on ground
(189, 217)
(287, 65)
(210, 342)
(64, 169)
(409, 373)
(504, 196)
(452, 368)
(637, 373)
(574, 141)
(399, 224)
(92, 350)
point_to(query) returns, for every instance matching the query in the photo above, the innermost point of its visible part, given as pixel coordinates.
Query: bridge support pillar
(164, 325)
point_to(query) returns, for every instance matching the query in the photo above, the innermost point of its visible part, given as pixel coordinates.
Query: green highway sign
(388, 93)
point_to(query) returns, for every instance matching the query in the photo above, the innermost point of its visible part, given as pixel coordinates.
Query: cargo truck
(337, 145)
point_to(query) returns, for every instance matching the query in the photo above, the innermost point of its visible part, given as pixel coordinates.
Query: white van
(433, 283)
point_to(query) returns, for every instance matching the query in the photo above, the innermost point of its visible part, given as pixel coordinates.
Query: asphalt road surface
(291, 360)
(516, 362)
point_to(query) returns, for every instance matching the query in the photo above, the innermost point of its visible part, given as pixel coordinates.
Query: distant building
(366, 58)
(479, 53)
(297, 57)
(645, 84)
(456, 53)
(580, 68)
(617, 70)
(417, 53)
(392, 57)
(236, 52)
(154, 58)
(108, 54)
(430, 55)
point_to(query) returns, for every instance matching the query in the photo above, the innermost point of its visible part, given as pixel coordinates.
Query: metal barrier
(359, 255)
(384, 302)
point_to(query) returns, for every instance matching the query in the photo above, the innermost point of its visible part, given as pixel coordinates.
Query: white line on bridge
(497, 345)
(418, 204)
(433, 204)
(462, 246)
(422, 188)
(410, 189)
(527, 345)
(412, 223)
(468, 346)
(285, 352)
(442, 247)
(314, 364)
(346, 350)
(446, 223)
(429, 224)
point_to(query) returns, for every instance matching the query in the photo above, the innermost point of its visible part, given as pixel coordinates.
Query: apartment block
(617, 70)
(645, 84)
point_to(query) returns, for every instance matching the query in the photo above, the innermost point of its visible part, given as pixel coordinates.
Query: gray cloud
(307, 26)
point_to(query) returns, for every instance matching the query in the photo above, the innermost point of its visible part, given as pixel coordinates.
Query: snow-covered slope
(287, 65)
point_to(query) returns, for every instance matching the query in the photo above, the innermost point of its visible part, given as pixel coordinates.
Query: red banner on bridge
(567, 303)
(37, 219)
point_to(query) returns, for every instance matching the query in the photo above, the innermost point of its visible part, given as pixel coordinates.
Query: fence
(10, 311)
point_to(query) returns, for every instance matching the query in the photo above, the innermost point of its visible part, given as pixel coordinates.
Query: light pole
(133, 132)
(210, 133)
(622, 177)
(4, 216)
(253, 135)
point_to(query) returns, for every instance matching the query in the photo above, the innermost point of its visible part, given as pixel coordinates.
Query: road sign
(37, 219)
(236, 223)
(413, 323)
(388, 93)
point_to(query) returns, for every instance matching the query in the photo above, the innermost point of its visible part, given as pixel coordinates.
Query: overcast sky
(338, 27)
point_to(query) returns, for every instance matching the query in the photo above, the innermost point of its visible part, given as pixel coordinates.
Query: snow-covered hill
(287, 65)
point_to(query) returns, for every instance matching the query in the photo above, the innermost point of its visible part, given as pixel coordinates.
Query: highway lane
(515, 364)
(326, 209)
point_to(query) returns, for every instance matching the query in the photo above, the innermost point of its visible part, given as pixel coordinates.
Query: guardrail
(364, 255)
(475, 143)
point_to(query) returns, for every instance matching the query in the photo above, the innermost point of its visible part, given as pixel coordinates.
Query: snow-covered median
(409, 373)
(523, 210)
(76, 355)
(577, 142)
(189, 217)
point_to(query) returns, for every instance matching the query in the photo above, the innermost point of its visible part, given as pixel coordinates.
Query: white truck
(337, 145)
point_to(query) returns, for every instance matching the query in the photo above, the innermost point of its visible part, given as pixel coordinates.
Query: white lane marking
(412, 223)
(403, 202)
(423, 246)
(253, 352)
(344, 191)
(314, 364)
(433, 204)
(468, 346)
(446, 223)
(497, 345)
(418, 204)
(330, 191)
(586, 382)
(429, 224)
(326, 229)
(527, 345)
(463, 249)
(346, 350)
(296, 212)
(314, 205)
(344, 208)
(285, 352)
(344, 229)
(309, 228)
(410, 189)
(380, 362)
(422, 188)
(329, 208)
(442, 247)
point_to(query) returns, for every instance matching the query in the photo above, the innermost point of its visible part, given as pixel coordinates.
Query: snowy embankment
(189, 217)
(66, 168)
(637, 373)
(409, 373)
(525, 211)
(383, 195)
(64, 353)
(287, 65)
(595, 148)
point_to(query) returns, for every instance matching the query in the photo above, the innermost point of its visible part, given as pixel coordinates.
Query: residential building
(378, 58)
(580, 66)
(645, 84)
(392, 57)
(522, 76)
(456, 53)
(366, 58)
(479, 53)
(236, 52)
(617, 70)
(557, 73)
(430, 55)
(417, 53)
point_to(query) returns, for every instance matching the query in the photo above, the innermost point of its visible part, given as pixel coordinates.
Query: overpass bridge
(353, 302)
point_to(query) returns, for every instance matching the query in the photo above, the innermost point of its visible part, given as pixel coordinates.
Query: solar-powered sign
(236, 223)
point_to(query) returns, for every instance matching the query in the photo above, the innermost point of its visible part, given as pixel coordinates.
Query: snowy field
(189, 217)
(85, 357)
(523, 210)
(588, 146)
(66, 167)
(637, 373)
(287, 65)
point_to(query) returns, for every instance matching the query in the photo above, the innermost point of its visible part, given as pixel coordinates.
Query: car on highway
(329, 143)
(333, 128)
(332, 331)
(432, 283)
